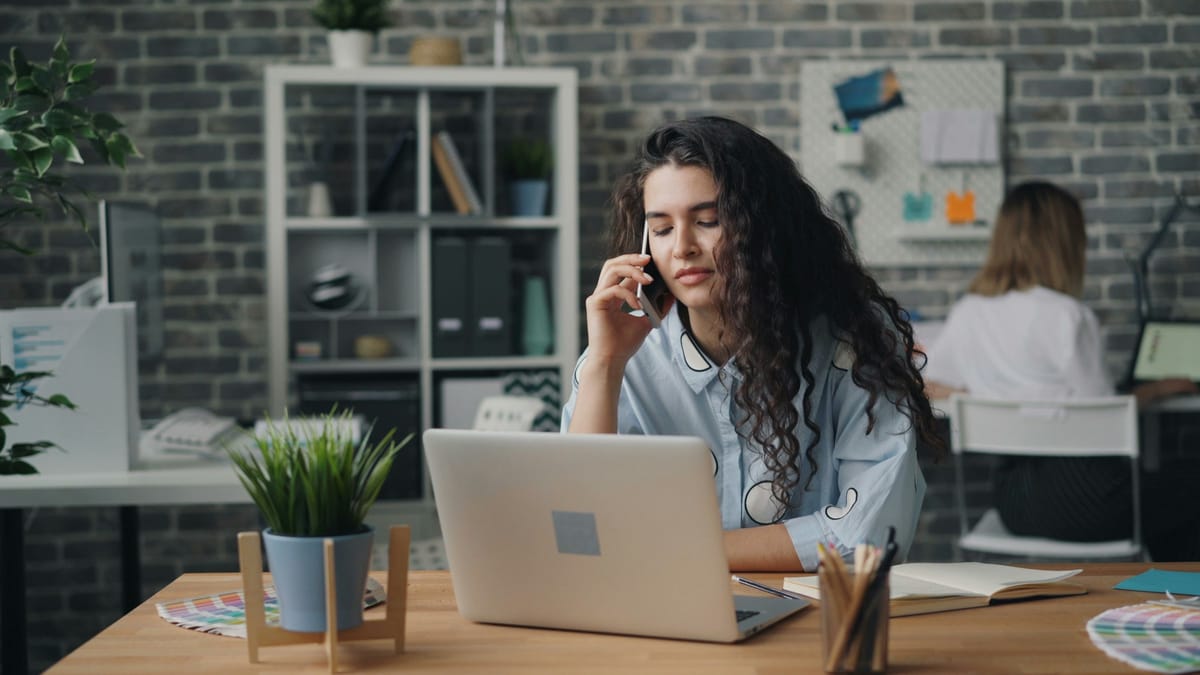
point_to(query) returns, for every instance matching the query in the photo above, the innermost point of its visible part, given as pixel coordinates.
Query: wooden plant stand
(390, 627)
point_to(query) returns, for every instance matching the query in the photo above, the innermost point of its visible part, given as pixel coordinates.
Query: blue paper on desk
(1160, 581)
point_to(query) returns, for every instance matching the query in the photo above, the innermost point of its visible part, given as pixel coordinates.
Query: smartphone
(653, 294)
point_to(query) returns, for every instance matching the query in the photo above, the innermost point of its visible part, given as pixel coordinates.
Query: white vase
(320, 205)
(349, 48)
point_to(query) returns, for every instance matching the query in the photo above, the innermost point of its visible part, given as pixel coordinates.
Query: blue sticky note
(1160, 581)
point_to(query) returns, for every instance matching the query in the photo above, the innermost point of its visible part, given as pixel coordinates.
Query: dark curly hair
(783, 262)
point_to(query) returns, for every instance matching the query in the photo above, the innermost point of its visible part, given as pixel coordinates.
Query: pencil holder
(854, 633)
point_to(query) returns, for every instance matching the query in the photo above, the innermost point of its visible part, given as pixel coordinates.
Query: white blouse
(1035, 344)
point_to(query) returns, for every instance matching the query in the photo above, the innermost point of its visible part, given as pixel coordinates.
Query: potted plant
(43, 120)
(312, 481)
(527, 163)
(352, 25)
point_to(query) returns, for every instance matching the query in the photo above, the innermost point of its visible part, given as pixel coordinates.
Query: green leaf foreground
(315, 482)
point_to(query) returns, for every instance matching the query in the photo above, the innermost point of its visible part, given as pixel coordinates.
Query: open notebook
(921, 588)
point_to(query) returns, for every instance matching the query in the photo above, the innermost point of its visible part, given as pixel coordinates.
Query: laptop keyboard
(743, 614)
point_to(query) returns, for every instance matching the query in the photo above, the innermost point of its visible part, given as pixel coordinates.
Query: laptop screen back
(1168, 349)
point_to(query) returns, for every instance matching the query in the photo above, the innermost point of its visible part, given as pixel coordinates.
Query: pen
(777, 592)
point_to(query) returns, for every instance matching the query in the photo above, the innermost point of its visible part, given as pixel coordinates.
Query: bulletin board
(892, 164)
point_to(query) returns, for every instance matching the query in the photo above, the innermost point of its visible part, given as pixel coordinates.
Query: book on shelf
(384, 194)
(922, 588)
(454, 174)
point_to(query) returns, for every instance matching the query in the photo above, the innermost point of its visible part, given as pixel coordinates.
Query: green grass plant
(311, 479)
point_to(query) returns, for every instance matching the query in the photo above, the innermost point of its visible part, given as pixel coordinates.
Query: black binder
(451, 280)
(491, 296)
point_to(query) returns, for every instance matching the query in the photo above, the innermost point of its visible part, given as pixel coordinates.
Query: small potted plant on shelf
(312, 480)
(527, 163)
(352, 25)
(43, 120)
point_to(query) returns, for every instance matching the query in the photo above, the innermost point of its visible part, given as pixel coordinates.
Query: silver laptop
(593, 532)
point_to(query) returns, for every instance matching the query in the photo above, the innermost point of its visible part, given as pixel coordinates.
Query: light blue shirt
(864, 482)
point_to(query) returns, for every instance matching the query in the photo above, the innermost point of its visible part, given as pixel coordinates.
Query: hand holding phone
(652, 297)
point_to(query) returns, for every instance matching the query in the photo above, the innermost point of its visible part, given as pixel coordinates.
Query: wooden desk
(1046, 635)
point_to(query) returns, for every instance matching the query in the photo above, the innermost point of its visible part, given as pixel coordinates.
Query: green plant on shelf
(528, 159)
(366, 15)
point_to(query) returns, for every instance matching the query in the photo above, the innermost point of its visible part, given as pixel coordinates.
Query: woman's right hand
(614, 335)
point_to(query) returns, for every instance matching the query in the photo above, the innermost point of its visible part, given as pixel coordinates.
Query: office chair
(1098, 427)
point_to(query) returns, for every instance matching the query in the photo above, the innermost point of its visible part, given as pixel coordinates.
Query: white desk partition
(206, 484)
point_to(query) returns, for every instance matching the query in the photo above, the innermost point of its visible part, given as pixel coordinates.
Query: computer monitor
(131, 266)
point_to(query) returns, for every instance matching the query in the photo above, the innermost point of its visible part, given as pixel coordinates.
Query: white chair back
(1096, 427)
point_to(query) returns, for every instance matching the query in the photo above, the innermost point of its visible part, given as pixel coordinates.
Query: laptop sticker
(575, 532)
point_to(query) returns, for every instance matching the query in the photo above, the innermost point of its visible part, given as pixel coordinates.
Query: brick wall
(1103, 97)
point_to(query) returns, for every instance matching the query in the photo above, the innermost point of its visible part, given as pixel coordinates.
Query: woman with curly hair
(775, 346)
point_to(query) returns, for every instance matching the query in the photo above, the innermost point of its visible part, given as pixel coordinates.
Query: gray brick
(71, 22)
(1173, 7)
(1113, 87)
(872, 11)
(232, 286)
(669, 40)
(1041, 166)
(247, 151)
(640, 67)
(264, 45)
(1137, 189)
(1174, 110)
(789, 12)
(573, 43)
(1178, 161)
(553, 17)
(1104, 164)
(1105, 9)
(235, 233)
(715, 12)
(140, 21)
(169, 127)
(110, 49)
(724, 65)
(161, 179)
(745, 91)
(179, 73)
(1026, 60)
(235, 179)
(739, 39)
(1037, 9)
(177, 288)
(246, 98)
(949, 11)
(1059, 139)
(177, 153)
(1056, 87)
(663, 93)
(1120, 112)
(1174, 58)
(1185, 32)
(1053, 35)
(1187, 85)
(897, 38)
(1108, 61)
(240, 19)
(636, 16)
(1138, 34)
(1130, 138)
(1120, 215)
(592, 94)
(178, 46)
(1187, 136)
(231, 72)
(222, 125)
(193, 207)
(976, 37)
(817, 38)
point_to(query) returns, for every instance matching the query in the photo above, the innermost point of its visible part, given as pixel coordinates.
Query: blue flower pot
(298, 568)
(529, 197)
